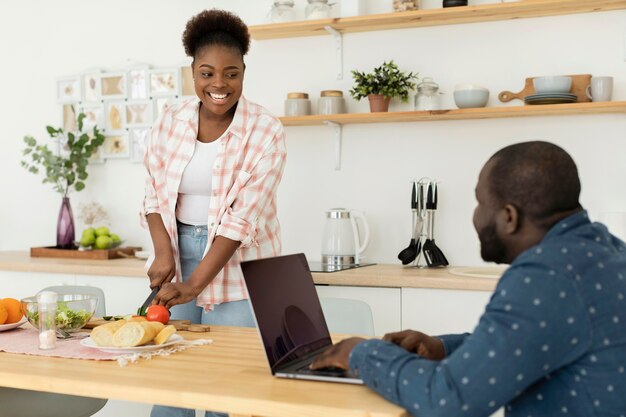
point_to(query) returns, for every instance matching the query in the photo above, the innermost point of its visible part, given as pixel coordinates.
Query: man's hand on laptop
(336, 356)
(417, 342)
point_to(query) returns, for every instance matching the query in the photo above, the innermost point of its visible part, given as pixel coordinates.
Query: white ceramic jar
(317, 9)
(331, 102)
(282, 11)
(297, 104)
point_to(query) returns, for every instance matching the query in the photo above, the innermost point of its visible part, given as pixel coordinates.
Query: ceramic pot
(378, 103)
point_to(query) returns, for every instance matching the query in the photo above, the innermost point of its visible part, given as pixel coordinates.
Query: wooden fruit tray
(53, 252)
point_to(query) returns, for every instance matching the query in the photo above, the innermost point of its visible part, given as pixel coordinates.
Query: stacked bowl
(553, 89)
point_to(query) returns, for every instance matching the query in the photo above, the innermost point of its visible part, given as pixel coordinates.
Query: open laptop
(289, 317)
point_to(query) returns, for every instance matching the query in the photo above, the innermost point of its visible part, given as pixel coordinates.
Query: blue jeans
(192, 241)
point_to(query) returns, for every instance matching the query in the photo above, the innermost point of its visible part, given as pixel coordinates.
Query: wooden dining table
(229, 375)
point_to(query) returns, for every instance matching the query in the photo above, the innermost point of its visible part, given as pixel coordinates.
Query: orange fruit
(3, 314)
(13, 308)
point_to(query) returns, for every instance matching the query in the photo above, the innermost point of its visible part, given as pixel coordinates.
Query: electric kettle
(341, 242)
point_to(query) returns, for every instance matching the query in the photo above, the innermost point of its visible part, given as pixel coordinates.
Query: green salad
(66, 317)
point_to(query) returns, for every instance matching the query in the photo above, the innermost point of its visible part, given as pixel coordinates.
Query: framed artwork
(138, 83)
(186, 81)
(138, 142)
(68, 89)
(96, 157)
(68, 114)
(94, 116)
(160, 104)
(164, 82)
(139, 113)
(113, 85)
(91, 86)
(115, 114)
(116, 146)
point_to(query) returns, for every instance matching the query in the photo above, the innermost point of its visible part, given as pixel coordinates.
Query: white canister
(331, 102)
(297, 104)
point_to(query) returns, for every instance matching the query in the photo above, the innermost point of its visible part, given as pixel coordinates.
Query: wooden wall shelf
(434, 17)
(460, 114)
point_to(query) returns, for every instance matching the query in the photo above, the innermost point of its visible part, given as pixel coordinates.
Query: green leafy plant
(63, 171)
(386, 80)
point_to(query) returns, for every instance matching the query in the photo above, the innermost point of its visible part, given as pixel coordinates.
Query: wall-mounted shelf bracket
(338, 48)
(337, 137)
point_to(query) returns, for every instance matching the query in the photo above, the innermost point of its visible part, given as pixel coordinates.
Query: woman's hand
(162, 270)
(417, 342)
(174, 293)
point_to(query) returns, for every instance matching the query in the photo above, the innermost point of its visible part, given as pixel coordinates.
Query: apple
(103, 242)
(102, 231)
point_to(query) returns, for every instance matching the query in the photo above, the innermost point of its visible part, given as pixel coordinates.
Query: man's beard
(491, 247)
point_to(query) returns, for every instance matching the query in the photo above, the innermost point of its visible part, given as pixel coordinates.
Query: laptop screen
(287, 309)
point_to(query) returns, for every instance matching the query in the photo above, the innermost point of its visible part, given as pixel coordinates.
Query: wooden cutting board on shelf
(179, 324)
(579, 87)
(52, 252)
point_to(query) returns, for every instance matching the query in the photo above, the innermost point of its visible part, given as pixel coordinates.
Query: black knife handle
(435, 196)
(414, 196)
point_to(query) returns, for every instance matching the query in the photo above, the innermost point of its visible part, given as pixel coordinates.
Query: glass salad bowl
(73, 310)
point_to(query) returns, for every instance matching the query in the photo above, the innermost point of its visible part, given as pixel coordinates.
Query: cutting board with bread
(579, 87)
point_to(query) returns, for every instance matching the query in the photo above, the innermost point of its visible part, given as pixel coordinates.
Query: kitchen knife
(146, 303)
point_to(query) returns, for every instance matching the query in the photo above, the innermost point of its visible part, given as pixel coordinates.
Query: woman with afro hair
(213, 167)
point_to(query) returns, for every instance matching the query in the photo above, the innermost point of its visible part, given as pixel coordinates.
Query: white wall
(42, 40)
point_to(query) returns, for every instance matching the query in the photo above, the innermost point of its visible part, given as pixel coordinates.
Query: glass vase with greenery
(383, 83)
(66, 169)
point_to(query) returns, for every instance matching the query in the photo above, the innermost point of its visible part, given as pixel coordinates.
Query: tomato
(158, 313)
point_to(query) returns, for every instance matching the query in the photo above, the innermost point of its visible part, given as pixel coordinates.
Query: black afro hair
(215, 27)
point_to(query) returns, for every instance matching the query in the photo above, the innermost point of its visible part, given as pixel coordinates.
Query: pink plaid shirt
(246, 173)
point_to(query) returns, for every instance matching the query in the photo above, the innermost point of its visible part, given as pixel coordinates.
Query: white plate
(4, 327)
(175, 338)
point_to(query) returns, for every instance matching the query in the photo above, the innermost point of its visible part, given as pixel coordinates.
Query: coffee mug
(600, 89)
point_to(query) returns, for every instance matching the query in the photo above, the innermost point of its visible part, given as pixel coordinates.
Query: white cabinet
(25, 284)
(384, 302)
(435, 312)
(123, 295)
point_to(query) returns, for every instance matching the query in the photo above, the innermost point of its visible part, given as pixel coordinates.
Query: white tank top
(194, 192)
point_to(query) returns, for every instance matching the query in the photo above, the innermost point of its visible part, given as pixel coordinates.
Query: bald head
(539, 178)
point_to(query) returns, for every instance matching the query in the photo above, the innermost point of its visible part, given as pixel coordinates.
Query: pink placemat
(26, 341)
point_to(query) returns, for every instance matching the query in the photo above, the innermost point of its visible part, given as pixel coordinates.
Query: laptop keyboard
(324, 371)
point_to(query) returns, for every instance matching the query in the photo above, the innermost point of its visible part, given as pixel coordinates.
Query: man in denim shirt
(552, 340)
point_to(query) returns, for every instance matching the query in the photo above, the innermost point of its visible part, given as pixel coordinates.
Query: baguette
(136, 333)
(103, 335)
(164, 335)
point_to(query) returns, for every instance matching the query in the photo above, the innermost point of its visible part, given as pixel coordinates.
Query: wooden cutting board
(52, 252)
(179, 324)
(579, 87)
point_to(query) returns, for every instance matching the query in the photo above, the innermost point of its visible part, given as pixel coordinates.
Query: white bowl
(552, 84)
(469, 95)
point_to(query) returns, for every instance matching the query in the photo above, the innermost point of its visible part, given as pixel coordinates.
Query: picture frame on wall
(113, 86)
(138, 79)
(160, 104)
(138, 142)
(96, 157)
(164, 82)
(68, 89)
(68, 117)
(115, 116)
(94, 116)
(116, 146)
(186, 82)
(91, 86)
(139, 113)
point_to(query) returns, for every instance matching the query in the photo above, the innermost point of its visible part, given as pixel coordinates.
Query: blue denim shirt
(551, 342)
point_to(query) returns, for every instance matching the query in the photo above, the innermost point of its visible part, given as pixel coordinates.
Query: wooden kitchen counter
(381, 275)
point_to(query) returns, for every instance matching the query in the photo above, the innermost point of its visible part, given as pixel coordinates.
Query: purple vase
(65, 226)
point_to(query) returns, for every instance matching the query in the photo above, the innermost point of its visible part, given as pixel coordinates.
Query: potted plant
(65, 170)
(382, 84)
